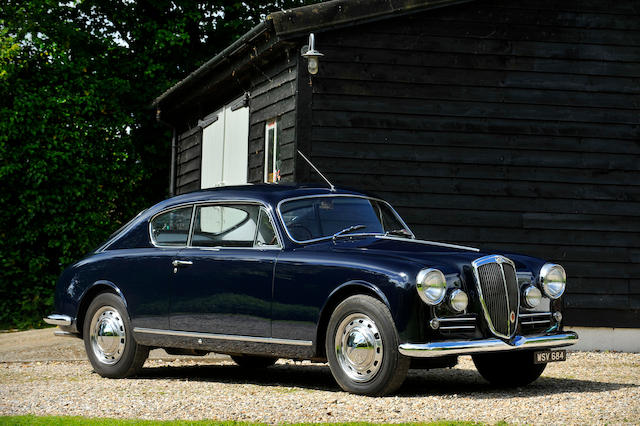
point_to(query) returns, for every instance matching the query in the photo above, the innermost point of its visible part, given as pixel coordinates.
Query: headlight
(431, 285)
(553, 279)
(458, 300)
(531, 296)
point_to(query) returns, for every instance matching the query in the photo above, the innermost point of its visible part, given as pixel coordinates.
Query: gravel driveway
(40, 374)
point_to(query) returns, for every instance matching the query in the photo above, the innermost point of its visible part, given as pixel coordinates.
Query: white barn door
(212, 152)
(236, 146)
(225, 147)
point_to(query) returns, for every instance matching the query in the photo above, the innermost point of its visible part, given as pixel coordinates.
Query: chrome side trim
(200, 335)
(430, 243)
(57, 319)
(467, 347)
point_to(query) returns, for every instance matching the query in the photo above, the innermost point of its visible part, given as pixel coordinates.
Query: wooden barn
(504, 124)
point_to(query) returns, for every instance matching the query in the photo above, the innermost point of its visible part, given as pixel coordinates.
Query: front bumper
(66, 324)
(57, 319)
(468, 347)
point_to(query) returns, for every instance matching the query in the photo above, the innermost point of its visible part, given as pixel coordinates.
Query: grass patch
(64, 420)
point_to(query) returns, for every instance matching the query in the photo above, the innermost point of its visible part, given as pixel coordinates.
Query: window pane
(172, 228)
(266, 234)
(272, 153)
(300, 219)
(319, 217)
(388, 219)
(225, 226)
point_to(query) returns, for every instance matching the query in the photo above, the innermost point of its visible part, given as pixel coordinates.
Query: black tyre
(362, 347)
(108, 338)
(252, 361)
(508, 369)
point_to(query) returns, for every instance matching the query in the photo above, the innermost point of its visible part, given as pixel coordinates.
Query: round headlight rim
(525, 296)
(456, 292)
(422, 275)
(544, 272)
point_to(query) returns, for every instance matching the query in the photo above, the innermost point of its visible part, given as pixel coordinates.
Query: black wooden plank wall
(271, 84)
(273, 96)
(188, 161)
(506, 124)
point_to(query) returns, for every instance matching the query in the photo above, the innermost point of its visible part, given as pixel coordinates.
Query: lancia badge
(512, 317)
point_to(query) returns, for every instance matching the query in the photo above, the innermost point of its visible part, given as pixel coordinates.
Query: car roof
(270, 194)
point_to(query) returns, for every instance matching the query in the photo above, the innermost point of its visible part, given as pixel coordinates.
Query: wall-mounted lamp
(312, 55)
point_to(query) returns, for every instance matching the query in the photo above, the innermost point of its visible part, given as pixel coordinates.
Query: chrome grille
(498, 291)
(457, 324)
(536, 319)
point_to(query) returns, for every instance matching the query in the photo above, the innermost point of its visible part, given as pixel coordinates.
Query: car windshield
(313, 218)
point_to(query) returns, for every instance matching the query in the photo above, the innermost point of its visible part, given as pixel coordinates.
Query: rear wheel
(362, 347)
(508, 369)
(108, 338)
(253, 361)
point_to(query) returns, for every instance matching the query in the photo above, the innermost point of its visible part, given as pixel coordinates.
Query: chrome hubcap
(108, 336)
(359, 347)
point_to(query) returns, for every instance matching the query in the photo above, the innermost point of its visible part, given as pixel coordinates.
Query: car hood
(449, 258)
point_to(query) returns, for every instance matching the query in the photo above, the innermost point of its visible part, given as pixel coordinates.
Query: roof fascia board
(340, 13)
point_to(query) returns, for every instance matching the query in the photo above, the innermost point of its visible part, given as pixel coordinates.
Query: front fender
(353, 287)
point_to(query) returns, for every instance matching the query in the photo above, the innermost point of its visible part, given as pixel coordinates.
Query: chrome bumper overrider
(57, 319)
(467, 347)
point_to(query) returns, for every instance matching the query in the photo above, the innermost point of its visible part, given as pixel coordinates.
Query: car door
(223, 279)
(144, 274)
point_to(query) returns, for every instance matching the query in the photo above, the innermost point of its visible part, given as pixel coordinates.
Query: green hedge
(80, 152)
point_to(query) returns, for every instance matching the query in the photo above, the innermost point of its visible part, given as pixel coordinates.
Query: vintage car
(262, 272)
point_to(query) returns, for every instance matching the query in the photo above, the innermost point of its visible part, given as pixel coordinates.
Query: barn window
(272, 161)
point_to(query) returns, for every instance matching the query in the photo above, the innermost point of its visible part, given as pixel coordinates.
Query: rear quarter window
(172, 228)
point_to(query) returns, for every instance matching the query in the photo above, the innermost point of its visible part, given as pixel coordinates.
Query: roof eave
(300, 21)
(214, 62)
(340, 13)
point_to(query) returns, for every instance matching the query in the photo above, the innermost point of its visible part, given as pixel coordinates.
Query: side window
(388, 220)
(225, 225)
(266, 235)
(172, 228)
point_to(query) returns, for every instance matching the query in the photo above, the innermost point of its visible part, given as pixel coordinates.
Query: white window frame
(270, 125)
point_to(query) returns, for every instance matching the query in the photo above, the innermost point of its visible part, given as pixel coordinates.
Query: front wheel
(108, 338)
(508, 369)
(362, 347)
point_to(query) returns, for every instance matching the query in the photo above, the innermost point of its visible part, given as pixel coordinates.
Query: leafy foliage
(80, 151)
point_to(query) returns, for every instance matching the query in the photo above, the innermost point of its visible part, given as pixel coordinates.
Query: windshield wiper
(348, 230)
(401, 232)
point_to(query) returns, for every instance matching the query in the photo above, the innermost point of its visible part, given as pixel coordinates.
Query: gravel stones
(588, 388)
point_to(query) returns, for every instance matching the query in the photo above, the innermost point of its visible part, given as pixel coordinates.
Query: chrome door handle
(177, 263)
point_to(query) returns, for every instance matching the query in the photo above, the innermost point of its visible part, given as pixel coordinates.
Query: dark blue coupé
(271, 271)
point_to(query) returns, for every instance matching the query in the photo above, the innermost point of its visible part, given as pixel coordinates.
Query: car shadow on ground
(442, 382)
(469, 383)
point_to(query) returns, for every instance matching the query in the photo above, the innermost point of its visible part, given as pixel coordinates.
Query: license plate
(543, 357)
